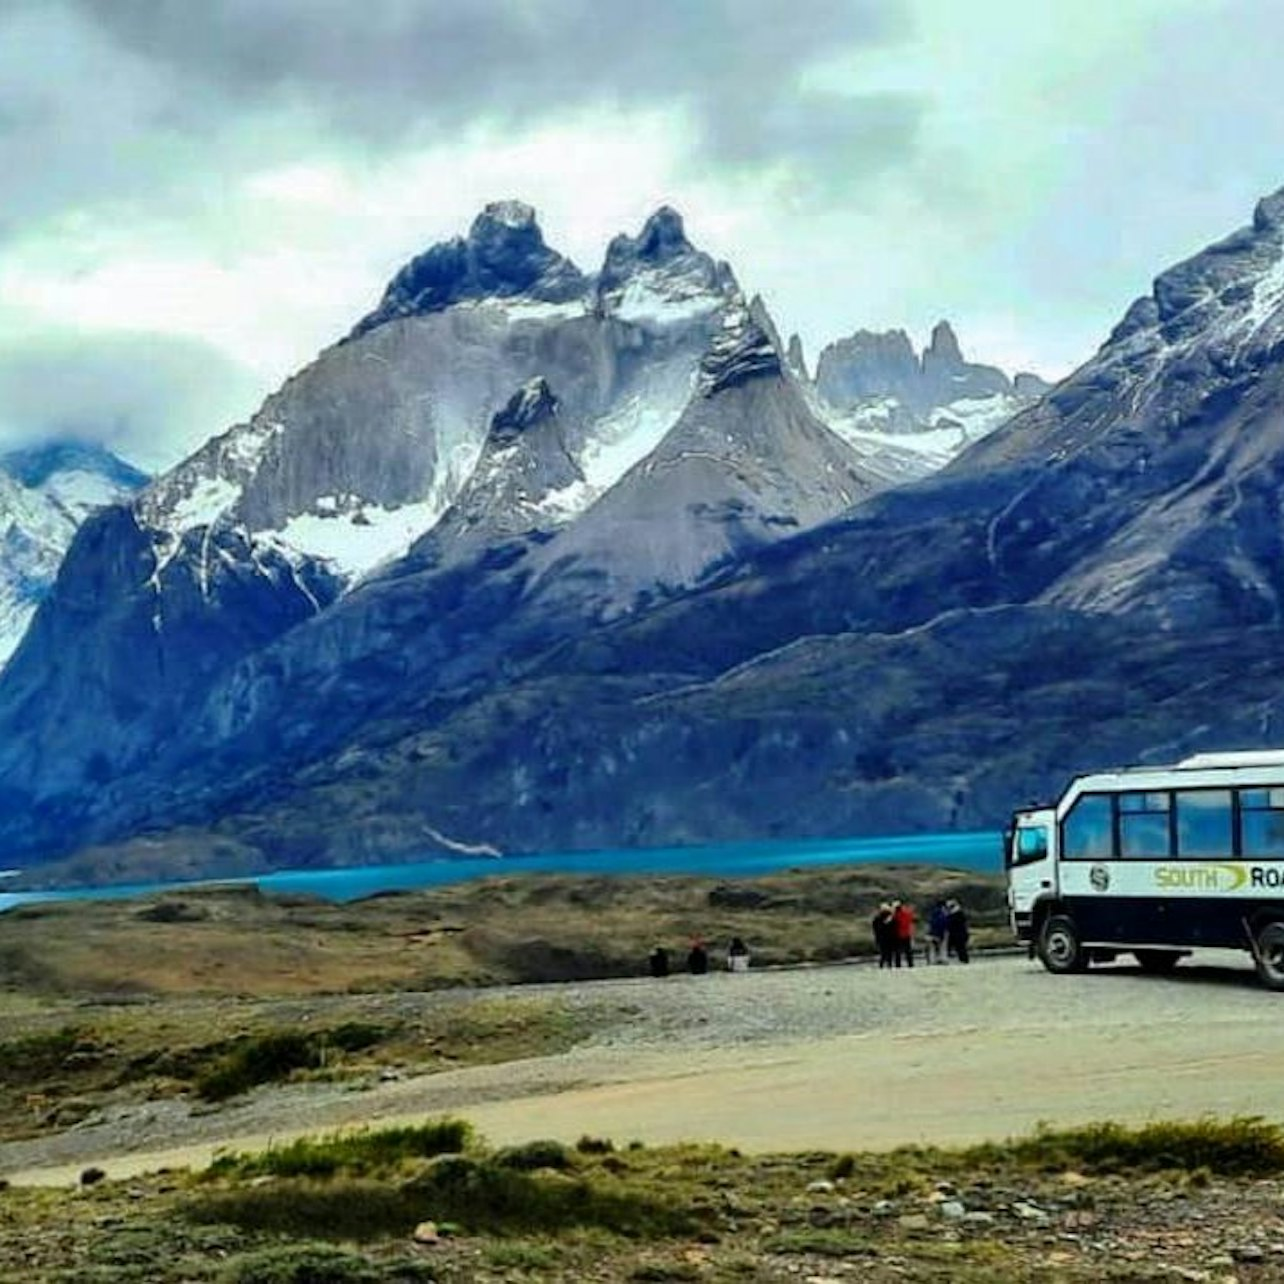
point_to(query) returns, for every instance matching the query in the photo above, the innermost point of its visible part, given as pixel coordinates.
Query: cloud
(387, 73)
(130, 391)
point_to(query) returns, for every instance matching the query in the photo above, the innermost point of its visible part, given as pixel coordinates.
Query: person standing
(903, 932)
(737, 955)
(937, 930)
(957, 931)
(698, 958)
(884, 940)
(659, 961)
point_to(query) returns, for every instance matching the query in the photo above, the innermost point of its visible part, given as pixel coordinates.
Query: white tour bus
(1155, 861)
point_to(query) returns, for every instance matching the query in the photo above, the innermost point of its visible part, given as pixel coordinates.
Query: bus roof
(1239, 758)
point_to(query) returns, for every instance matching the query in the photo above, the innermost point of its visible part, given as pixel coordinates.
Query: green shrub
(1240, 1147)
(356, 1036)
(818, 1242)
(318, 1264)
(520, 1256)
(594, 1145)
(38, 1056)
(486, 1195)
(301, 1209)
(354, 1153)
(256, 1059)
(660, 1272)
(533, 1155)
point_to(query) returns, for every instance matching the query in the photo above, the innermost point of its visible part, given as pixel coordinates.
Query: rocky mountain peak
(659, 277)
(663, 235)
(1268, 214)
(528, 406)
(524, 481)
(503, 257)
(943, 348)
(517, 216)
(743, 350)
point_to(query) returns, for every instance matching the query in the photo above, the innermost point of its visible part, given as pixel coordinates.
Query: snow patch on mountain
(658, 298)
(357, 541)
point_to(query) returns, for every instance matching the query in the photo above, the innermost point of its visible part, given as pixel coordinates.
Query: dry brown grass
(235, 941)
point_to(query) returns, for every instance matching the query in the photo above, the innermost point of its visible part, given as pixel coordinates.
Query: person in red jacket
(903, 932)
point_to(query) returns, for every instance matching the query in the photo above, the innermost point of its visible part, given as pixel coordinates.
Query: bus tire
(1157, 960)
(1268, 951)
(1060, 949)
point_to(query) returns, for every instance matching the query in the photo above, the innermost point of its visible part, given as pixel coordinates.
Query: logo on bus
(1099, 877)
(1202, 878)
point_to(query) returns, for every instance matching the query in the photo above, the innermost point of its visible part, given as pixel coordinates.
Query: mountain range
(534, 559)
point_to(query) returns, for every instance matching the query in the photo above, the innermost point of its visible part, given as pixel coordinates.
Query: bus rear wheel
(1060, 949)
(1268, 950)
(1157, 960)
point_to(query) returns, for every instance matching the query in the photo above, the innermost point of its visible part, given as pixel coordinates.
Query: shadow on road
(1185, 973)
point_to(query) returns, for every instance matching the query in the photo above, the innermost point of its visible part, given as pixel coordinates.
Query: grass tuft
(479, 1194)
(353, 1153)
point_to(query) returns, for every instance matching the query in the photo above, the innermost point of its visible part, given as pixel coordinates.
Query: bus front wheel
(1269, 953)
(1060, 949)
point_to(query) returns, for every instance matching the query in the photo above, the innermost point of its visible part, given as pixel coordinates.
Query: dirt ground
(943, 1055)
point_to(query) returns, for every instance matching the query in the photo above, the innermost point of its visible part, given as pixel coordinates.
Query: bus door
(1031, 874)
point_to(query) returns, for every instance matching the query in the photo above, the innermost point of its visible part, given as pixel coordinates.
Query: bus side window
(1261, 819)
(1204, 823)
(1144, 825)
(1089, 830)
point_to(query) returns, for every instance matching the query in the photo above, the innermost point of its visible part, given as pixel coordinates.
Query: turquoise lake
(980, 852)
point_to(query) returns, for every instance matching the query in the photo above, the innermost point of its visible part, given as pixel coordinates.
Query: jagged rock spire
(943, 347)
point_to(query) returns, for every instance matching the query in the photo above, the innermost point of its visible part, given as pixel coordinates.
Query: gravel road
(829, 1057)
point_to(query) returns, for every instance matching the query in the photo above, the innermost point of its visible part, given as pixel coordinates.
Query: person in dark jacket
(957, 932)
(659, 961)
(884, 937)
(938, 924)
(697, 958)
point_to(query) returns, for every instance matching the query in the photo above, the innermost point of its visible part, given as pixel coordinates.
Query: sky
(199, 197)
